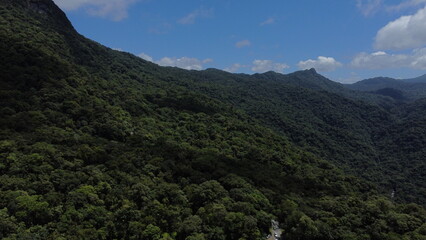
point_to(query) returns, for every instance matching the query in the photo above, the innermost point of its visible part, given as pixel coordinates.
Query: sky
(344, 40)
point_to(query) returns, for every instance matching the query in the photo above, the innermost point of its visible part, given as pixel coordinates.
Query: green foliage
(401, 90)
(99, 144)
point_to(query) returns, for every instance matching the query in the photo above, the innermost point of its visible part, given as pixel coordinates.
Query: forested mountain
(406, 89)
(421, 79)
(312, 80)
(100, 144)
(319, 118)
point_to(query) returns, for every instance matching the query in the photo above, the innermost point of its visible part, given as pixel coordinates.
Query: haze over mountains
(100, 144)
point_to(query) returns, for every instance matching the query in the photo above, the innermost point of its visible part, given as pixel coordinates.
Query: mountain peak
(44, 8)
(307, 72)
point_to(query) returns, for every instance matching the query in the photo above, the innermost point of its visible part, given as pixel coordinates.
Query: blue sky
(345, 40)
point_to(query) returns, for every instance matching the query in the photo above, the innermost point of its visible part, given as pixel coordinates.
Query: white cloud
(183, 62)
(369, 7)
(383, 60)
(268, 65)
(379, 60)
(243, 43)
(404, 33)
(115, 9)
(322, 64)
(146, 57)
(268, 22)
(234, 68)
(380, 53)
(352, 78)
(405, 4)
(192, 17)
(418, 59)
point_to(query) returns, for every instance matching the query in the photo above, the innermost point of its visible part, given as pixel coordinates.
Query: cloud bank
(405, 4)
(321, 64)
(146, 57)
(234, 68)
(268, 65)
(183, 62)
(404, 33)
(382, 60)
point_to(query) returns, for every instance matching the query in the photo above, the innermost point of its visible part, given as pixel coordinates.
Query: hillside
(345, 131)
(410, 89)
(421, 79)
(100, 144)
(403, 145)
(312, 80)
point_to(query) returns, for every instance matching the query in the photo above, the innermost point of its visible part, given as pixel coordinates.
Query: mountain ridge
(411, 89)
(290, 121)
(417, 79)
(45, 8)
(99, 144)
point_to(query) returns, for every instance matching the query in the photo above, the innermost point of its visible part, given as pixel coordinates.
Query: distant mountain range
(399, 89)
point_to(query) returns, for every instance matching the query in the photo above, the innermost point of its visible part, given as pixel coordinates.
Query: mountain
(395, 94)
(421, 79)
(342, 130)
(403, 150)
(100, 144)
(306, 79)
(411, 89)
(312, 80)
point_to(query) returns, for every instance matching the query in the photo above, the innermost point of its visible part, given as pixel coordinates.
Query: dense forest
(402, 90)
(100, 144)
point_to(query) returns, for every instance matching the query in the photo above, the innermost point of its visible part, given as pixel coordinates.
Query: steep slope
(348, 132)
(404, 150)
(98, 144)
(336, 128)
